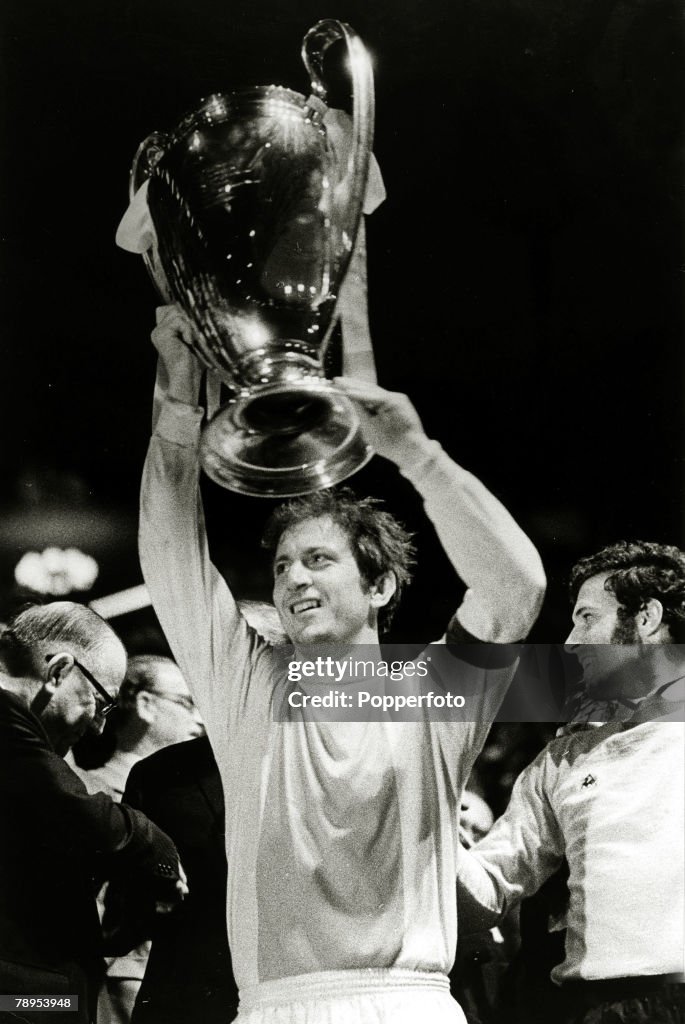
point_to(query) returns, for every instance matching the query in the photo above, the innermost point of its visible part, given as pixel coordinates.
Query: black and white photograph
(342, 526)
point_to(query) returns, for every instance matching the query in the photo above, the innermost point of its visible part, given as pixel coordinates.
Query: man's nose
(298, 575)
(571, 641)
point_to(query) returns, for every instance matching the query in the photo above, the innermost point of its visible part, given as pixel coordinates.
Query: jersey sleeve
(523, 848)
(491, 554)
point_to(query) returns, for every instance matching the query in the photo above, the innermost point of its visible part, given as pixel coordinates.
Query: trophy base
(284, 440)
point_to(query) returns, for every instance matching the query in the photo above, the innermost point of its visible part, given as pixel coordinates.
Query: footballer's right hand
(180, 371)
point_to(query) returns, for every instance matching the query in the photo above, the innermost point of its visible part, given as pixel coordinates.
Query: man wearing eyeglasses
(155, 709)
(60, 670)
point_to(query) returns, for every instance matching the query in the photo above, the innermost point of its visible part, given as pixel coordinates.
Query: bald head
(66, 664)
(44, 630)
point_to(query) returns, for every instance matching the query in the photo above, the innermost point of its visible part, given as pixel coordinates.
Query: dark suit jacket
(57, 844)
(189, 975)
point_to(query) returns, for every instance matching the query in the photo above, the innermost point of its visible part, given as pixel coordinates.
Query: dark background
(526, 270)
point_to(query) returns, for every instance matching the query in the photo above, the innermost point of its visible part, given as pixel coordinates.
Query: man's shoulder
(11, 706)
(170, 762)
(568, 747)
(19, 722)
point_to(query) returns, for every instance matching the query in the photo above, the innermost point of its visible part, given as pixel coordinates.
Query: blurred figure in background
(154, 710)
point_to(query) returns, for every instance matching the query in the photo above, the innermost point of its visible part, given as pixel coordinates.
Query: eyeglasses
(183, 699)
(110, 702)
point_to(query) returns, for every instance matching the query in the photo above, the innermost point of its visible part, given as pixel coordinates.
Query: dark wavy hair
(380, 543)
(639, 571)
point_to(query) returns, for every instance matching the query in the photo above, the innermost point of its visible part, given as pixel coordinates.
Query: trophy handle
(149, 153)
(314, 47)
(147, 156)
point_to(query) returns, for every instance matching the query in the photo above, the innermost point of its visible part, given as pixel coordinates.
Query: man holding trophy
(342, 837)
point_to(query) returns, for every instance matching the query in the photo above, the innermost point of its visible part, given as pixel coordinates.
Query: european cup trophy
(255, 214)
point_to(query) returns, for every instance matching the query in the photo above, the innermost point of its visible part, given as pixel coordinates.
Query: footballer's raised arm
(489, 551)
(193, 603)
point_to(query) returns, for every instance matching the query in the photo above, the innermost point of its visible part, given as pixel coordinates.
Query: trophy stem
(282, 440)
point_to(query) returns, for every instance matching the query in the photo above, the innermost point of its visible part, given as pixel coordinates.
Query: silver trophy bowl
(256, 213)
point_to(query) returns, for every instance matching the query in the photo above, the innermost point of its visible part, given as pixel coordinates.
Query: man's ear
(145, 706)
(59, 666)
(650, 620)
(382, 589)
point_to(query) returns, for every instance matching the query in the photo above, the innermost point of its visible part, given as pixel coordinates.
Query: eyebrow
(307, 551)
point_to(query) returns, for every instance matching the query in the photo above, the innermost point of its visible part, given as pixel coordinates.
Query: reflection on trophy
(255, 217)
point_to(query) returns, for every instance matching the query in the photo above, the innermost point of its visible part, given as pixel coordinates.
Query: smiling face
(318, 589)
(606, 645)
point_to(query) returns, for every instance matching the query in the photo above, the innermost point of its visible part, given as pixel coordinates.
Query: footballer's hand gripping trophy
(256, 214)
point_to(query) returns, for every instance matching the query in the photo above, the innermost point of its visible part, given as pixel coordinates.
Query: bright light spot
(56, 572)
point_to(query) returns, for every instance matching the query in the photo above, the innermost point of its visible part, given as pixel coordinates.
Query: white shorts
(370, 996)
